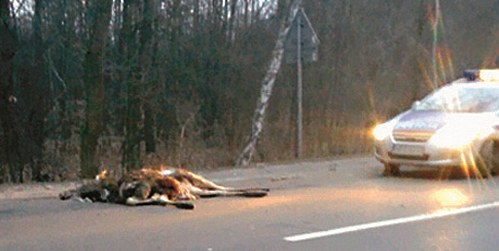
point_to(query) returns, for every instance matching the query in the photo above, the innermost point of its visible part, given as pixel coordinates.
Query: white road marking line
(379, 224)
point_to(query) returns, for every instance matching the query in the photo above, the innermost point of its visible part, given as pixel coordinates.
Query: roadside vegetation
(93, 84)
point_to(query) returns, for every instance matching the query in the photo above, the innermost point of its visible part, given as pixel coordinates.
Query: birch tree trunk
(267, 85)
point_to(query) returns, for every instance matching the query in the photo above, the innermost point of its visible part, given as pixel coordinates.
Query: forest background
(120, 84)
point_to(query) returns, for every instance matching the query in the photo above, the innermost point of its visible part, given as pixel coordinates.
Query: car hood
(431, 121)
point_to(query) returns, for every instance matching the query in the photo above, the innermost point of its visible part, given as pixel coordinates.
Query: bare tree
(100, 16)
(36, 93)
(9, 113)
(147, 56)
(131, 148)
(138, 36)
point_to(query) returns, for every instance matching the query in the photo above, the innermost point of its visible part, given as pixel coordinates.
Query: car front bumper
(429, 155)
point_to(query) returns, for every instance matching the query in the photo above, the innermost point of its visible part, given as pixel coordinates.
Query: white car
(457, 125)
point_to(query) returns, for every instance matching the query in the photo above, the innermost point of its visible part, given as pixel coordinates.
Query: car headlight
(382, 131)
(454, 136)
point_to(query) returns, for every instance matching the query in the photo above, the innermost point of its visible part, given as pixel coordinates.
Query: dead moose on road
(155, 186)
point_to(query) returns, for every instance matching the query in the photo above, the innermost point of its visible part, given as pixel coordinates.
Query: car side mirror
(415, 105)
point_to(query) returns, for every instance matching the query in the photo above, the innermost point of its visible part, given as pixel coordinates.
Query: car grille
(411, 136)
(409, 157)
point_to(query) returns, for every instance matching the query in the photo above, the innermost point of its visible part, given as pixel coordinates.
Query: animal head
(107, 186)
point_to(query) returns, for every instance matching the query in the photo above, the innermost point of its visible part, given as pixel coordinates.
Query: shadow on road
(446, 173)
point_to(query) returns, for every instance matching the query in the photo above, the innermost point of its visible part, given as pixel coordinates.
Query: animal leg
(214, 193)
(162, 199)
(158, 199)
(199, 181)
(137, 194)
(135, 201)
(205, 184)
(68, 194)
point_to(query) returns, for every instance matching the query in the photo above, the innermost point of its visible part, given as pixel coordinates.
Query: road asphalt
(340, 204)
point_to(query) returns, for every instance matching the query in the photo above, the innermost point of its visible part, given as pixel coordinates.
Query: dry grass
(322, 139)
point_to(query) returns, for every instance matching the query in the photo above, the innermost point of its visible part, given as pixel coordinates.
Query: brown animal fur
(156, 186)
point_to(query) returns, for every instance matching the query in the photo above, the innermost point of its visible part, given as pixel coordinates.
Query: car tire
(487, 161)
(391, 170)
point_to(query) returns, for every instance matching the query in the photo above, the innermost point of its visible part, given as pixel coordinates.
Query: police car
(457, 125)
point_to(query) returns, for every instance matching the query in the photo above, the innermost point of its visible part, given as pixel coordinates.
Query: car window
(461, 99)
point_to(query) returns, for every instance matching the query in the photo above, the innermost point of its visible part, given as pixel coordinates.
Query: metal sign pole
(301, 46)
(299, 124)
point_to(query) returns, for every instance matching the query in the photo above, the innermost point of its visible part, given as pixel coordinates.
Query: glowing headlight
(381, 131)
(454, 136)
(489, 75)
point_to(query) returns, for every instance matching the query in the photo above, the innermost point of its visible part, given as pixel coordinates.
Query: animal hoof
(184, 205)
(64, 195)
(255, 194)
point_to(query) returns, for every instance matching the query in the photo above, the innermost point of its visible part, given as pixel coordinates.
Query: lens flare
(450, 198)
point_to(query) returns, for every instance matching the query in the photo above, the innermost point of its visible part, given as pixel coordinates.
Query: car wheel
(391, 170)
(487, 161)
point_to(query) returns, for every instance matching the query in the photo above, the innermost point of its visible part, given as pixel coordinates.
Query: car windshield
(461, 99)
